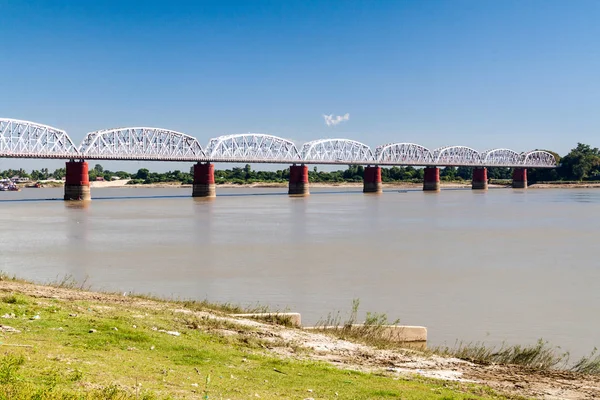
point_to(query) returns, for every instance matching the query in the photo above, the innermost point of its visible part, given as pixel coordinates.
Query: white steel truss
(539, 159)
(252, 147)
(337, 151)
(403, 154)
(24, 139)
(141, 144)
(31, 140)
(501, 158)
(456, 156)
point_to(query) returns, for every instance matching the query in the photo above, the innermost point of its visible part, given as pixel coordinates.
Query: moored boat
(9, 188)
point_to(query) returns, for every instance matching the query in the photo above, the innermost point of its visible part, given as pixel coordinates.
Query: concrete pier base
(372, 180)
(519, 178)
(411, 336)
(431, 179)
(298, 184)
(480, 179)
(204, 180)
(77, 181)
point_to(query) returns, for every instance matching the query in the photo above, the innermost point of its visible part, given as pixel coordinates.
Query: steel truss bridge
(24, 139)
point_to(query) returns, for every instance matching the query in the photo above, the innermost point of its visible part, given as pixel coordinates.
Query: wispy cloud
(330, 120)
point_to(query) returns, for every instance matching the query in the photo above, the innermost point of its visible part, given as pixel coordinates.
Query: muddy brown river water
(503, 265)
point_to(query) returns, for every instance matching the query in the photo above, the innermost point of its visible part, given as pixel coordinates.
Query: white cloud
(330, 120)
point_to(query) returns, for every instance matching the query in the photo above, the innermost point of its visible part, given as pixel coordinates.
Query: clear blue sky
(517, 74)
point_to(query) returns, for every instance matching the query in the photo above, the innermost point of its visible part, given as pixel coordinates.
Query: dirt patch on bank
(296, 343)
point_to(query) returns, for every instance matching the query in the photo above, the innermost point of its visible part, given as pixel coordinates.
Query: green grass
(128, 357)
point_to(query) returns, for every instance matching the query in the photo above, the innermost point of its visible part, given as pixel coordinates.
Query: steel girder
(24, 139)
(141, 143)
(252, 147)
(539, 159)
(456, 156)
(403, 154)
(501, 158)
(339, 151)
(27, 139)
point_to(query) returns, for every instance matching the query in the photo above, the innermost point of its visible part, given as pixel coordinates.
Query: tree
(142, 174)
(465, 173)
(59, 173)
(448, 173)
(583, 162)
(98, 169)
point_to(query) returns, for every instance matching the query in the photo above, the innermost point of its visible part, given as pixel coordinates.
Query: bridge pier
(519, 178)
(204, 180)
(431, 179)
(372, 180)
(480, 179)
(298, 185)
(77, 181)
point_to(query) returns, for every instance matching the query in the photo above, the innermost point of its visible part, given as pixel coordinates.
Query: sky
(484, 74)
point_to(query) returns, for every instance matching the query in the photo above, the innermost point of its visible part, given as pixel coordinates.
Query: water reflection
(77, 226)
(77, 205)
(298, 218)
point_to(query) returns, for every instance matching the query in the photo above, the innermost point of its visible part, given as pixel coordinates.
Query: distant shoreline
(122, 183)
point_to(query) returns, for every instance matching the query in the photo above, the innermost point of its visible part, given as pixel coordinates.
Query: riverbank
(123, 183)
(59, 340)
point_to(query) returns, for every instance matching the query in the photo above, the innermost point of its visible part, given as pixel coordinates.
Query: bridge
(25, 139)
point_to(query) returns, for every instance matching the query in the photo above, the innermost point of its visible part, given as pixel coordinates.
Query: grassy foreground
(63, 347)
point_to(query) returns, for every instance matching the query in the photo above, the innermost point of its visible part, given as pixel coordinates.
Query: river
(502, 265)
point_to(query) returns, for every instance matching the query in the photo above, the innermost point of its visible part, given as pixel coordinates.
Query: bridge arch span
(538, 158)
(403, 154)
(29, 139)
(501, 158)
(252, 147)
(141, 143)
(456, 156)
(337, 151)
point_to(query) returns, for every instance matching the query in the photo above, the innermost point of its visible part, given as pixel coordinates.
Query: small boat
(9, 188)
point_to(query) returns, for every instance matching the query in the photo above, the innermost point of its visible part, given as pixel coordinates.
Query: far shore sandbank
(123, 183)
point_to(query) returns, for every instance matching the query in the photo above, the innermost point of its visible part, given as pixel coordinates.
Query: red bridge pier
(519, 178)
(372, 180)
(431, 179)
(77, 181)
(204, 180)
(298, 185)
(480, 179)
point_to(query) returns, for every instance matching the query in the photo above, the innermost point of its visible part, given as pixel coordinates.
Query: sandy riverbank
(122, 183)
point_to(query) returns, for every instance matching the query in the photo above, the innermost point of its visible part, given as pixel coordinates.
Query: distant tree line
(581, 164)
